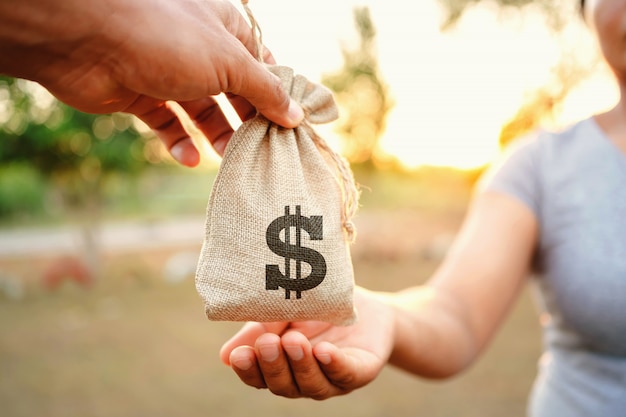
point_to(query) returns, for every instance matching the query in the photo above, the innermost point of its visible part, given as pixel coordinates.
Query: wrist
(429, 339)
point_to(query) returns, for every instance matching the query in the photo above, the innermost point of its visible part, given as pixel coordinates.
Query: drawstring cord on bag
(256, 31)
(349, 191)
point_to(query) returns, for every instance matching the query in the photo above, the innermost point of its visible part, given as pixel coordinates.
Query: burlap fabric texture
(277, 230)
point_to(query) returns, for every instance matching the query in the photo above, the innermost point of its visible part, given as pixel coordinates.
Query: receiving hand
(314, 359)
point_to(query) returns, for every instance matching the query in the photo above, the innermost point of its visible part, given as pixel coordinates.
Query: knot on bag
(316, 101)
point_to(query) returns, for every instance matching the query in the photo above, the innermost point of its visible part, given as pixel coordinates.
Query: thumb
(253, 81)
(264, 91)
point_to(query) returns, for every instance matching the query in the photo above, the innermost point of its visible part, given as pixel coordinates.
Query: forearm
(442, 327)
(431, 336)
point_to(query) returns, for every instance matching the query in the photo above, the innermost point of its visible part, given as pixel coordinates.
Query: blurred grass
(134, 345)
(174, 190)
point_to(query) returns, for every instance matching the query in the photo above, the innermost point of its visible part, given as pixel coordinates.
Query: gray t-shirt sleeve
(516, 173)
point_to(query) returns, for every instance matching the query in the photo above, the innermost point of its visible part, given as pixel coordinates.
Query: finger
(256, 84)
(309, 378)
(264, 91)
(209, 118)
(242, 105)
(248, 335)
(166, 125)
(244, 363)
(244, 109)
(347, 369)
(274, 366)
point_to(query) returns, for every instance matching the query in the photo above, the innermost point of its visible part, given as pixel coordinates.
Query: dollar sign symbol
(273, 277)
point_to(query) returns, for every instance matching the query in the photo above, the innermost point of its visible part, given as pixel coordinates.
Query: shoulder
(570, 139)
(525, 165)
(543, 146)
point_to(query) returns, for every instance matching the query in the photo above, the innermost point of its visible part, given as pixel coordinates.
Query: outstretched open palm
(314, 359)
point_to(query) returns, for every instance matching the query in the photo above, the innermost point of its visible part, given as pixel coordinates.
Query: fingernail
(178, 153)
(269, 353)
(324, 358)
(184, 154)
(295, 352)
(295, 112)
(243, 363)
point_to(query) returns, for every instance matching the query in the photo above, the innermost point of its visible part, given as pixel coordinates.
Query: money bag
(278, 226)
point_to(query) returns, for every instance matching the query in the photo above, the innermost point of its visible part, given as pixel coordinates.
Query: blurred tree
(361, 93)
(569, 71)
(545, 101)
(553, 9)
(73, 153)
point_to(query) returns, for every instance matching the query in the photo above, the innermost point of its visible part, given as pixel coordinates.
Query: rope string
(256, 31)
(349, 191)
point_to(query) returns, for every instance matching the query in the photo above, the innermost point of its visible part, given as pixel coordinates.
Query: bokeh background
(100, 231)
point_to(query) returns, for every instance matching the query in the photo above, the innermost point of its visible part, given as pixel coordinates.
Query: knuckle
(305, 369)
(207, 113)
(314, 385)
(273, 373)
(275, 88)
(344, 381)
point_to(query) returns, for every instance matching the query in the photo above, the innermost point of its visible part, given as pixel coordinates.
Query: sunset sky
(452, 90)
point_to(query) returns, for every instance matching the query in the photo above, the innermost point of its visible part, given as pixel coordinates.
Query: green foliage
(362, 93)
(73, 151)
(21, 189)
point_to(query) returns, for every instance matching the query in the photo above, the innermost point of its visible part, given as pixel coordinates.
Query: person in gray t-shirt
(555, 209)
(574, 183)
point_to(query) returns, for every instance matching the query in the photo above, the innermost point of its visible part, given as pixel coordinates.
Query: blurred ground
(136, 343)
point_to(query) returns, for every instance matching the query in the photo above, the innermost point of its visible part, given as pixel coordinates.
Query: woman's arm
(435, 330)
(440, 328)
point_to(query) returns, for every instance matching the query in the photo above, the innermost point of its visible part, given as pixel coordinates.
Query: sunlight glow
(453, 91)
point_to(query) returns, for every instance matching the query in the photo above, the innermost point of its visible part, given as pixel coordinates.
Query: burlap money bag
(277, 227)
